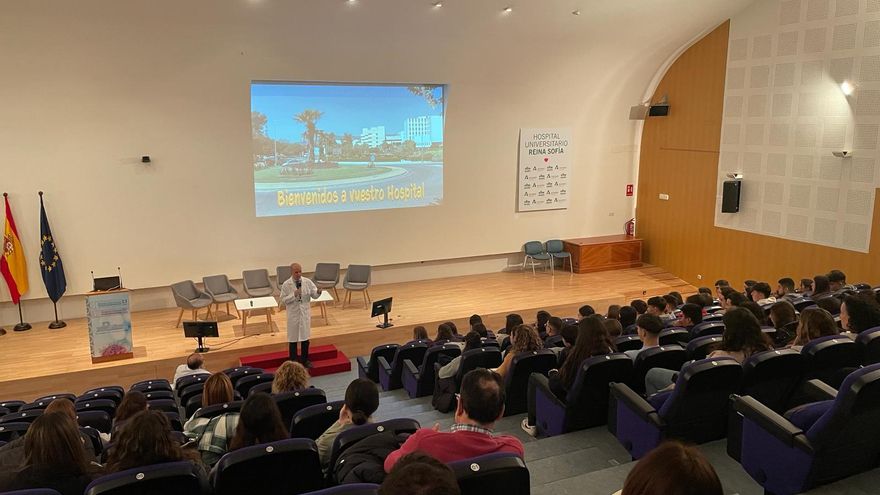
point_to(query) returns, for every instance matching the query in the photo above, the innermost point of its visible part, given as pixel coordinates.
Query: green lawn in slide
(272, 175)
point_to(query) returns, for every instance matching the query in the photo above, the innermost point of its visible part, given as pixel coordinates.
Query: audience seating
(218, 409)
(190, 391)
(12, 405)
(802, 303)
(868, 343)
(188, 297)
(265, 387)
(164, 405)
(239, 373)
(104, 405)
(485, 357)
(369, 367)
(193, 404)
(94, 436)
(150, 385)
(586, 404)
(11, 430)
(357, 279)
(51, 397)
(487, 342)
(534, 251)
(174, 419)
(313, 421)
(33, 491)
(349, 437)
(700, 347)
(674, 335)
(172, 478)
(554, 341)
(825, 357)
(326, 277)
(516, 381)
(670, 357)
(389, 374)
(108, 394)
(96, 419)
(695, 411)
(4, 411)
(816, 443)
(707, 328)
(291, 403)
(556, 249)
(220, 291)
(256, 283)
(349, 489)
(628, 343)
(244, 384)
(279, 468)
(188, 380)
(22, 416)
(419, 381)
(492, 473)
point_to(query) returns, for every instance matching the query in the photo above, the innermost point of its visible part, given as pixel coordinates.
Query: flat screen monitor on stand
(199, 330)
(382, 308)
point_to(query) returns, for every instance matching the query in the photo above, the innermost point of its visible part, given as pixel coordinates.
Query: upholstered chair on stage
(326, 277)
(556, 250)
(188, 297)
(357, 278)
(256, 283)
(534, 251)
(221, 291)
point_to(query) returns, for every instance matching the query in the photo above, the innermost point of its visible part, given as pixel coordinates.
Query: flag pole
(57, 323)
(22, 325)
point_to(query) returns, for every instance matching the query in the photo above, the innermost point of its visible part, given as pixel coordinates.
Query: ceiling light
(576, 12)
(437, 5)
(508, 10)
(847, 88)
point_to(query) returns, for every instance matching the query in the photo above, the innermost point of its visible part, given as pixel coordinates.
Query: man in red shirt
(480, 405)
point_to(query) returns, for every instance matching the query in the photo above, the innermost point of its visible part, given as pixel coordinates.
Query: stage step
(326, 360)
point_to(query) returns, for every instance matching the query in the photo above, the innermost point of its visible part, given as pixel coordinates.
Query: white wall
(90, 86)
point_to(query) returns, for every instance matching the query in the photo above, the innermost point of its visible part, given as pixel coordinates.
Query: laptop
(106, 283)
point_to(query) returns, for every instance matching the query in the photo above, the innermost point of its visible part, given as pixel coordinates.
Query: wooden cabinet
(610, 252)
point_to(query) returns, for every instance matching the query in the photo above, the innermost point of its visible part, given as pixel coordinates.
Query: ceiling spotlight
(507, 10)
(576, 12)
(437, 5)
(847, 88)
(351, 1)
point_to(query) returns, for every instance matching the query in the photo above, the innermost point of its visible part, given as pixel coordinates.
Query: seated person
(628, 317)
(613, 312)
(756, 310)
(132, 403)
(12, 455)
(480, 405)
(53, 456)
(452, 328)
(806, 287)
(444, 334)
(785, 289)
(719, 288)
(829, 303)
(640, 306)
(784, 319)
(361, 401)
(814, 323)
(614, 327)
(290, 376)
(554, 329)
(510, 322)
(569, 338)
(592, 340)
(474, 319)
(195, 365)
(762, 294)
(648, 327)
(541, 319)
(821, 287)
(585, 311)
(837, 281)
(671, 303)
(481, 330)
(212, 436)
(691, 314)
(747, 288)
(260, 422)
(859, 312)
(419, 333)
(523, 339)
(672, 469)
(420, 474)
(657, 307)
(471, 341)
(147, 439)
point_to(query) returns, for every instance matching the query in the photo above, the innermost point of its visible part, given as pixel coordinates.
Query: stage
(43, 361)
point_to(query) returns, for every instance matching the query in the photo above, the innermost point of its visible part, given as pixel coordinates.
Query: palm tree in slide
(309, 118)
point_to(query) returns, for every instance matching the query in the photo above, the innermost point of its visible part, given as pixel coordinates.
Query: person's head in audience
(782, 313)
(640, 306)
(784, 286)
(133, 402)
(830, 304)
(836, 280)
(742, 333)
(706, 300)
(218, 390)
(628, 316)
(760, 290)
(733, 299)
(691, 314)
(474, 319)
(62, 406)
(452, 327)
(747, 287)
(472, 340)
(511, 321)
(806, 286)
(259, 422)
(524, 338)
(756, 310)
(480, 329)
(673, 468)
(444, 332)
(615, 329)
(821, 285)
(361, 401)
(541, 319)
(585, 311)
(859, 313)
(695, 299)
(649, 328)
(569, 335)
(420, 474)
(420, 333)
(554, 326)
(593, 340)
(814, 323)
(53, 447)
(678, 299)
(146, 440)
(481, 399)
(613, 312)
(719, 286)
(705, 290)
(195, 361)
(671, 303)
(290, 376)
(656, 306)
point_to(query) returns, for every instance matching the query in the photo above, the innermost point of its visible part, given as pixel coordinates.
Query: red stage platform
(326, 360)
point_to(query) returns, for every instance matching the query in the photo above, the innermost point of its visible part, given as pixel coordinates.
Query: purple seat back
(516, 381)
(772, 377)
(670, 357)
(868, 343)
(700, 347)
(586, 404)
(351, 436)
(278, 468)
(313, 421)
(244, 384)
(172, 478)
(289, 403)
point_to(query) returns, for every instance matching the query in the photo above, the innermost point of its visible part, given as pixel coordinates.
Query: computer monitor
(106, 283)
(199, 330)
(382, 308)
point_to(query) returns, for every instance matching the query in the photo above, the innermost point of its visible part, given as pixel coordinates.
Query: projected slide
(322, 148)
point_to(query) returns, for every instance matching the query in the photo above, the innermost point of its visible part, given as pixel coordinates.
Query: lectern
(109, 318)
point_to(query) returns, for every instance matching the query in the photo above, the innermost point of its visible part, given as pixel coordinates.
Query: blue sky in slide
(347, 107)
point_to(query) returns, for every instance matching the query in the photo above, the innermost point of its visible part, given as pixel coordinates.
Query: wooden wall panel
(679, 157)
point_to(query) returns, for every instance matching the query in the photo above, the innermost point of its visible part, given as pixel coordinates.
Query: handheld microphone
(299, 284)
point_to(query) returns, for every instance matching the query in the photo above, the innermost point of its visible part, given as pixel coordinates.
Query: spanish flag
(13, 265)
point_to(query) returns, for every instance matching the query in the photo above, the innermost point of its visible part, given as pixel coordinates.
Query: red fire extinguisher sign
(629, 189)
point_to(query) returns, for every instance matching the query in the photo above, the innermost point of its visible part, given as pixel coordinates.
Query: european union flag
(50, 262)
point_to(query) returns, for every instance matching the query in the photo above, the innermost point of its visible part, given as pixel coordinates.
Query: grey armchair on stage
(327, 277)
(357, 278)
(188, 297)
(256, 283)
(221, 291)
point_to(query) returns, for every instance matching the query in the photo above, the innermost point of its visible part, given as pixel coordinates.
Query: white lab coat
(299, 312)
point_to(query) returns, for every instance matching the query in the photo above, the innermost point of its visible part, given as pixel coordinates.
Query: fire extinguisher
(629, 228)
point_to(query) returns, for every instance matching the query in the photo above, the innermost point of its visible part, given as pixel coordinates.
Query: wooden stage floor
(43, 361)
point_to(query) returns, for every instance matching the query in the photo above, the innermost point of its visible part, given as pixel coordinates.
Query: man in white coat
(297, 293)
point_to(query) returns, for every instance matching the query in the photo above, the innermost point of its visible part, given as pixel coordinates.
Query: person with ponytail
(361, 401)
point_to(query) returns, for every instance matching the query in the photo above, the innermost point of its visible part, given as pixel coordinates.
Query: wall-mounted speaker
(730, 196)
